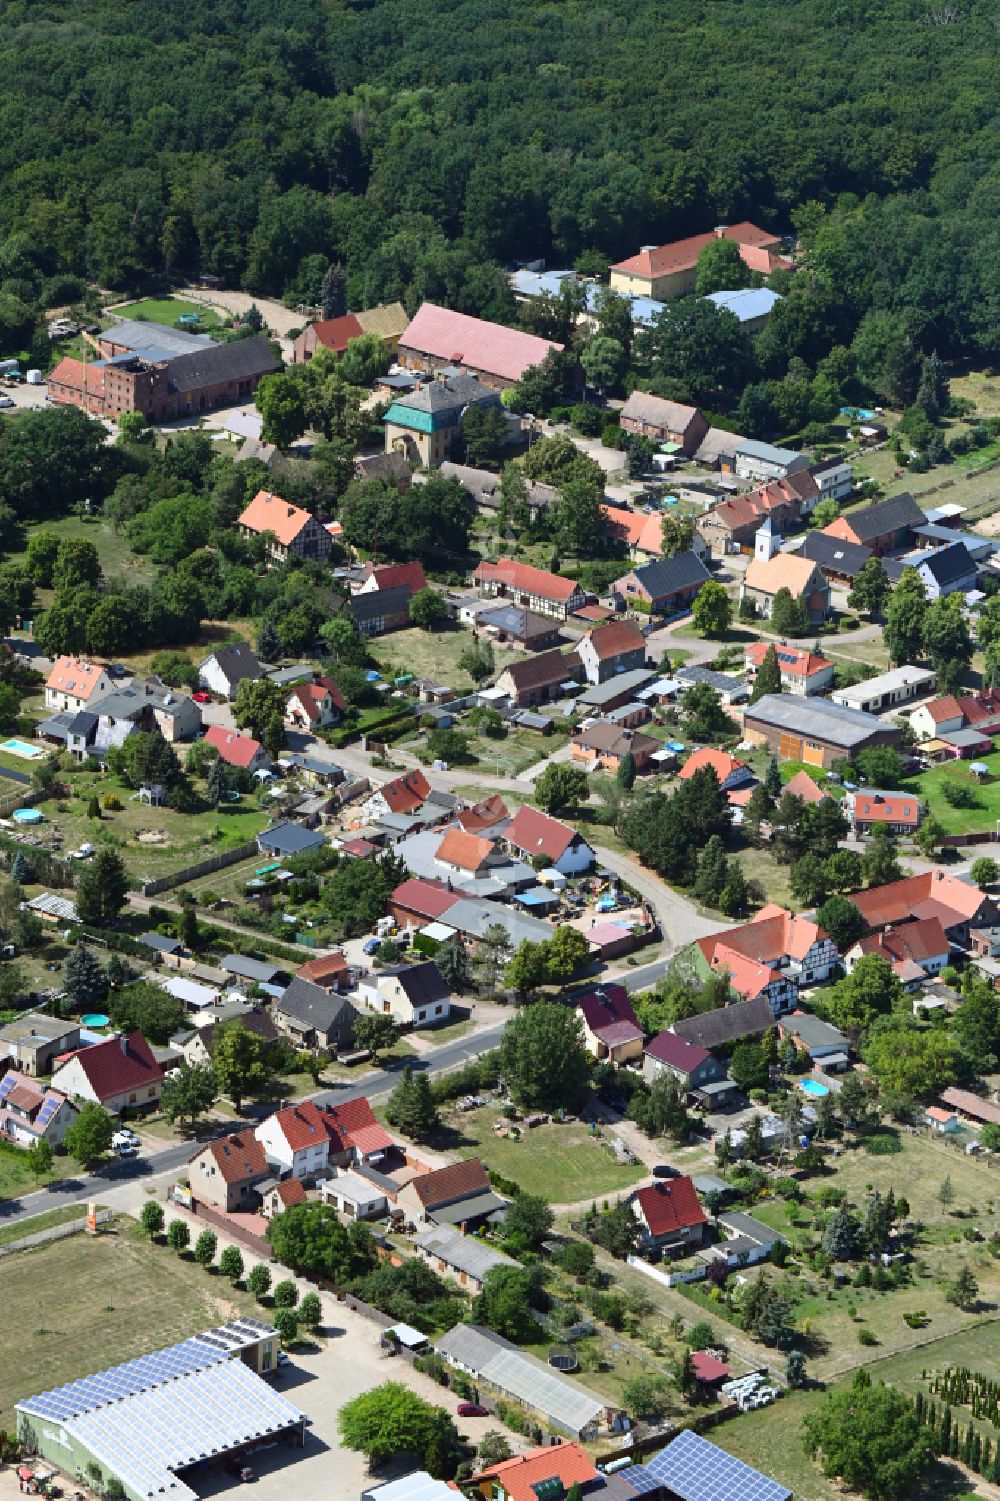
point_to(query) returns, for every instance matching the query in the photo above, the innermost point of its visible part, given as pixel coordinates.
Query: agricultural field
(140, 1296)
(564, 1163)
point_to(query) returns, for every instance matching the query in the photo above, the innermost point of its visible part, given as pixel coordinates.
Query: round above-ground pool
(813, 1087)
(28, 815)
(94, 1019)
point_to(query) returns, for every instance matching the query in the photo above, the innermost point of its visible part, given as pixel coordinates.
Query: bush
(883, 1143)
(850, 623)
(587, 420)
(866, 1337)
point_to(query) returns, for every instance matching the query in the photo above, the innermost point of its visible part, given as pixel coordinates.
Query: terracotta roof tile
(537, 581)
(467, 851)
(474, 343)
(238, 1156)
(519, 1476)
(236, 750)
(407, 792)
(682, 255)
(783, 571)
(74, 675)
(535, 833)
(670, 1206)
(119, 1065)
(615, 639)
(459, 1180)
(269, 513)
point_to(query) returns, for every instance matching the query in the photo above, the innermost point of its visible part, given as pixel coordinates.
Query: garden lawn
(185, 837)
(20, 1229)
(121, 1297)
(17, 1179)
(427, 654)
(117, 557)
(770, 1440)
(929, 787)
(565, 1164)
(167, 310)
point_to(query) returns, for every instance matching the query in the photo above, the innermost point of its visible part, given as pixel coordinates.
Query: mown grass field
(167, 310)
(981, 816)
(564, 1163)
(117, 558)
(427, 654)
(80, 1304)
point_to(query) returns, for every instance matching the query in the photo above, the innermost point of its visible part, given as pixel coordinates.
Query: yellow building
(667, 271)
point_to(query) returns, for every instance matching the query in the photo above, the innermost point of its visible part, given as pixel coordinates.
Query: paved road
(373, 1084)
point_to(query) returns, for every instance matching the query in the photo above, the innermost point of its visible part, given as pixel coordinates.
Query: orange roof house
(731, 773)
(532, 833)
(898, 811)
(237, 750)
(666, 271)
(73, 682)
(289, 528)
(800, 576)
(776, 946)
(536, 588)
(640, 532)
(802, 672)
(803, 786)
(488, 814)
(464, 852)
(498, 355)
(528, 1476)
(933, 893)
(316, 704)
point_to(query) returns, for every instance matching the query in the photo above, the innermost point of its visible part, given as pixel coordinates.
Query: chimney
(720, 231)
(123, 1043)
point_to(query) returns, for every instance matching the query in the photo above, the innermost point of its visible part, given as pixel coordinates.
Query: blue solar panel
(696, 1470)
(125, 1380)
(6, 1085)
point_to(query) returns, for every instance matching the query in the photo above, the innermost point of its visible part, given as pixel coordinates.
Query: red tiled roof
(708, 1368)
(747, 977)
(918, 941)
(794, 662)
(942, 709)
(337, 333)
(536, 581)
(802, 785)
(886, 807)
(898, 901)
(593, 612)
(74, 675)
(484, 815)
(291, 1192)
(535, 833)
(676, 1053)
(407, 792)
(641, 531)
(459, 1180)
(736, 515)
(615, 639)
(326, 968)
(237, 750)
(119, 1065)
(269, 513)
(388, 575)
(564, 1462)
(360, 848)
(467, 851)
(306, 1123)
(670, 1205)
(311, 695)
(771, 935)
(721, 762)
(474, 343)
(429, 899)
(682, 255)
(972, 1104)
(238, 1156)
(78, 375)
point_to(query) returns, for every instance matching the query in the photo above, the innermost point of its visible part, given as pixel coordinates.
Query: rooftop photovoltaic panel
(6, 1085)
(49, 1108)
(695, 1470)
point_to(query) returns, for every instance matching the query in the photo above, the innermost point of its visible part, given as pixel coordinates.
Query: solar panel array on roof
(50, 1107)
(696, 1470)
(126, 1380)
(6, 1085)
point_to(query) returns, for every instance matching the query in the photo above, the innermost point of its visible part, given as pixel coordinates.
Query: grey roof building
(258, 970)
(836, 558)
(617, 690)
(314, 1017)
(664, 577)
(494, 1360)
(784, 721)
(287, 839)
(892, 517)
(156, 339)
(242, 359)
(462, 1255)
(725, 1024)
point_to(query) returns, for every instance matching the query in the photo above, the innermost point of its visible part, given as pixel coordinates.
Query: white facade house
(73, 683)
(764, 461)
(294, 1150)
(226, 668)
(29, 1112)
(414, 995)
(835, 478)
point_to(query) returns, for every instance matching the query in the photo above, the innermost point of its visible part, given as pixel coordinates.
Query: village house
(531, 834)
(664, 586)
(803, 786)
(331, 972)
(417, 902)
(642, 532)
(34, 1040)
(465, 855)
(691, 1065)
(916, 950)
(536, 680)
(438, 338)
(887, 692)
(803, 580)
(948, 570)
(380, 611)
(803, 672)
(388, 321)
(960, 906)
(727, 1024)
(458, 1195)
(275, 1198)
(766, 462)
(787, 501)
(425, 425)
(414, 995)
(884, 527)
(545, 593)
(513, 625)
(663, 272)
(899, 812)
(404, 794)
(753, 306)
(379, 576)
(289, 531)
(610, 1027)
(835, 478)
(73, 683)
(945, 715)
(730, 773)
(315, 1017)
(839, 561)
(120, 1074)
(783, 940)
(546, 1474)
(29, 1112)
(606, 744)
(226, 668)
(669, 422)
(316, 704)
(825, 1046)
(730, 527)
(227, 1173)
(198, 1045)
(237, 750)
(814, 730)
(670, 1217)
(608, 649)
(306, 1140)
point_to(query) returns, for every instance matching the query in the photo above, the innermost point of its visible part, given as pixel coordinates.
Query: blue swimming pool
(813, 1087)
(23, 749)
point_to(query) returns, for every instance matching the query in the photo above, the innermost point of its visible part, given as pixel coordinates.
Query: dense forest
(423, 145)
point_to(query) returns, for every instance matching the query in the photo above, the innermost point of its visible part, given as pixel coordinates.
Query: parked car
(125, 1138)
(129, 1149)
(664, 1170)
(201, 697)
(470, 1410)
(5, 401)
